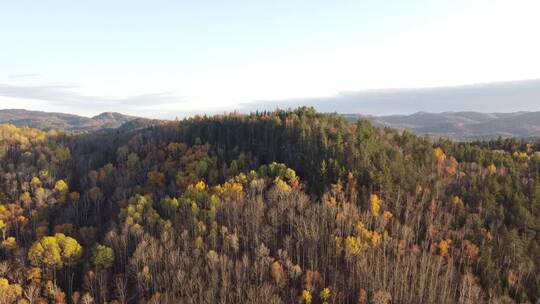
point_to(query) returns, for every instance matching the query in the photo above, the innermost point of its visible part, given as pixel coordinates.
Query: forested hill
(69, 122)
(460, 126)
(272, 207)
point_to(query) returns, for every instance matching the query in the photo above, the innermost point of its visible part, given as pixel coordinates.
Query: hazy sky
(167, 58)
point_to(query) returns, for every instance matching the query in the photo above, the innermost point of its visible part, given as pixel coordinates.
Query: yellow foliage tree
(201, 186)
(306, 297)
(3, 227)
(61, 187)
(35, 182)
(71, 251)
(353, 246)
(444, 247)
(439, 154)
(9, 293)
(521, 156)
(45, 252)
(375, 204)
(369, 236)
(325, 295)
(103, 257)
(9, 243)
(55, 251)
(230, 190)
(281, 185)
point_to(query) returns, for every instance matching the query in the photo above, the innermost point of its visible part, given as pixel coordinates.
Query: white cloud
(494, 42)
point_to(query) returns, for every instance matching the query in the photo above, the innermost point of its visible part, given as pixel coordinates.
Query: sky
(164, 59)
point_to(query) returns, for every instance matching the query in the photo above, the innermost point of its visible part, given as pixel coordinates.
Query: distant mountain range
(462, 125)
(72, 123)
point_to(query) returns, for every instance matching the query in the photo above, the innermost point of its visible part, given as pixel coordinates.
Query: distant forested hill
(69, 122)
(462, 125)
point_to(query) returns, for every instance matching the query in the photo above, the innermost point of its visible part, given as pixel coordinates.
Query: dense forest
(271, 207)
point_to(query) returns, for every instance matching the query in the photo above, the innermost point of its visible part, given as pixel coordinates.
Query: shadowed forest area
(271, 207)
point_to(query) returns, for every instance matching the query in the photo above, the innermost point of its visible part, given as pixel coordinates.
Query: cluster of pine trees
(272, 207)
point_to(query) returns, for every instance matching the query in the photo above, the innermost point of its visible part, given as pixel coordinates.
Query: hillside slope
(270, 207)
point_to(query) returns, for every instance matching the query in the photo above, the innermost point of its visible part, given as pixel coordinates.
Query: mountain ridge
(457, 125)
(70, 122)
(462, 125)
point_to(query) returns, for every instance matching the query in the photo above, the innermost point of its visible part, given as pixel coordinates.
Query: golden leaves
(354, 245)
(200, 186)
(325, 294)
(374, 204)
(9, 292)
(444, 247)
(55, 251)
(521, 156)
(306, 297)
(281, 185)
(364, 239)
(9, 243)
(387, 215)
(229, 190)
(439, 154)
(61, 187)
(492, 169)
